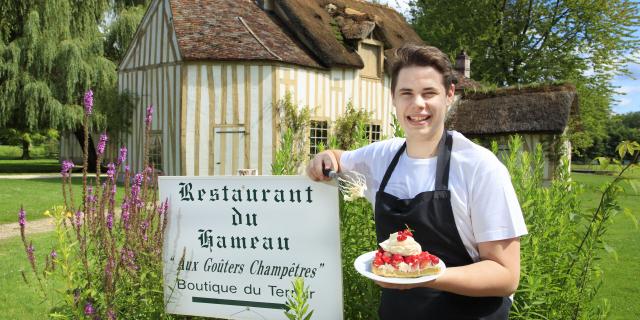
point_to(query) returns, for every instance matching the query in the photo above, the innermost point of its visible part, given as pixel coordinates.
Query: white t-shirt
(485, 205)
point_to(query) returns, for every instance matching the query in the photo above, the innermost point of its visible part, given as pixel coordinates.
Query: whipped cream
(407, 247)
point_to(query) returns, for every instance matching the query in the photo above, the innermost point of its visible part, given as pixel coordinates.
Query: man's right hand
(327, 159)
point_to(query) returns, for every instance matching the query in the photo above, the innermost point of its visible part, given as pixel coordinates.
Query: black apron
(430, 215)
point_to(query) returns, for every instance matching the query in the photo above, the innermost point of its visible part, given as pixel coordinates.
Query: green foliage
(121, 31)
(395, 124)
(298, 307)
(623, 127)
(286, 163)
(50, 53)
(26, 139)
(560, 272)
(350, 129)
(525, 41)
(293, 127)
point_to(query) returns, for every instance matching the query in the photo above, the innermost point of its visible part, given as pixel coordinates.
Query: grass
(41, 160)
(29, 166)
(21, 301)
(36, 195)
(619, 284)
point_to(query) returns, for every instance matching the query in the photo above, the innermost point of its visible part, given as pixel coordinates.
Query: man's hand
(327, 159)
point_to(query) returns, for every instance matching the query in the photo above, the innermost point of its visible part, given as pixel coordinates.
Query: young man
(455, 195)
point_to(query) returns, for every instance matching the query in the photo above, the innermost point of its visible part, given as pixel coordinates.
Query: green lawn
(29, 166)
(36, 195)
(620, 285)
(19, 300)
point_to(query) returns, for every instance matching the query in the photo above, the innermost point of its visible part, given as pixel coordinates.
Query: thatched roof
(301, 32)
(234, 30)
(541, 109)
(316, 23)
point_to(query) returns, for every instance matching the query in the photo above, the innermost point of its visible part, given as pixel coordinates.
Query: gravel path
(9, 230)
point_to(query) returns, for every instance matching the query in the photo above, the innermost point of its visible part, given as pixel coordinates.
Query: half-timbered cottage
(214, 69)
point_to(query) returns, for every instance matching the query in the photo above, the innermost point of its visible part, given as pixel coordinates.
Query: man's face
(421, 102)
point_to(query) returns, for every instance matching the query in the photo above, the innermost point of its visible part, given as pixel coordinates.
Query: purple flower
(123, 155)
(102, 143)
(110, 220)
(163, 207)
(149, 117)
(128, 257)
(32, 258)
(88, 102)
(53, 254)
(66, 168)
(145, 226)
(88, 309)
(125, 214)
(79, 218)
(111, 170)
(22, 217)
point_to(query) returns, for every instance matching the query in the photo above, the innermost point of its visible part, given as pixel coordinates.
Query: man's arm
(496, 274)
(328, 159)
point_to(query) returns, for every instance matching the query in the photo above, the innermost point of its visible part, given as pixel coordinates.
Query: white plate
(363, 266)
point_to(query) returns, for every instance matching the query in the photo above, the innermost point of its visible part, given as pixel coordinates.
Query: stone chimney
(463, 64)
(266, 5)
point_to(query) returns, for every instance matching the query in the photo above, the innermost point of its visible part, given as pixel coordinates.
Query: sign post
(233, 245)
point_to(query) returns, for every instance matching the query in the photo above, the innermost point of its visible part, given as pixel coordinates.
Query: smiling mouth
(418, 118)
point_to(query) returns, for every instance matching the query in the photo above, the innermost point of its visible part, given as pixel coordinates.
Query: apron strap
(392, 166)
(443, 164)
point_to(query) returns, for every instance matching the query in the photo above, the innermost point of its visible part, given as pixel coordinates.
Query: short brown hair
(424, 56)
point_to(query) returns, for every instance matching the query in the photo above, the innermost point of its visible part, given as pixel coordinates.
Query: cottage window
(374, 132)
(318, 134)
(371, 55)
(155, 149)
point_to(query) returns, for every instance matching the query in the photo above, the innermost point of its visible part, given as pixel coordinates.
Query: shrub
(110, 266)
(560, 274)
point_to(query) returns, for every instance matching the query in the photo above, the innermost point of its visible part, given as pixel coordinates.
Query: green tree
(524, 41)
(50, 53)
(622, 127)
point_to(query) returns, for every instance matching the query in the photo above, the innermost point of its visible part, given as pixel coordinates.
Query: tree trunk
(92, 156)
(25, 150)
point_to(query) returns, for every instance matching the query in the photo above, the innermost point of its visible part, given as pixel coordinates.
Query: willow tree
(51, 52)
(50, 55)
(523, 41)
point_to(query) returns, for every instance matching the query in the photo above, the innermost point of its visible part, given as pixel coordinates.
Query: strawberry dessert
(401, 256)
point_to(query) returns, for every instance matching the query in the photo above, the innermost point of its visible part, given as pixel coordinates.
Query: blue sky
(628, 86)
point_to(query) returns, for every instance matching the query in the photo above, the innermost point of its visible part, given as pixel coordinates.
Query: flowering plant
(108, 258)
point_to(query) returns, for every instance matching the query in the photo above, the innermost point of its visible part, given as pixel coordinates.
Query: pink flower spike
(123, 155)
(88, 102)
(22, 217)
(102, 143)
(88, 309)
(66, 168)
(149, 116)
